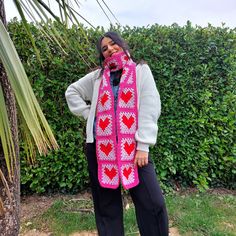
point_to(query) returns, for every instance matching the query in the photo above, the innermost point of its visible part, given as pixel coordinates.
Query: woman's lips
(112, 53)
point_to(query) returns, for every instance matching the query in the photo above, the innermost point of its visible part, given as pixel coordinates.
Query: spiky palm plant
(17, 99)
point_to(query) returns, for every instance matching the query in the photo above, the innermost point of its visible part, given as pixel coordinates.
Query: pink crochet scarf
(115, 130)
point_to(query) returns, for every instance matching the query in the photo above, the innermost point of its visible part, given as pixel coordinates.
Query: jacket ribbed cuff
(142, 147)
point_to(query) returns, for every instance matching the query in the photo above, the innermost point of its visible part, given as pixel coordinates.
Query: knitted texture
(115, 130)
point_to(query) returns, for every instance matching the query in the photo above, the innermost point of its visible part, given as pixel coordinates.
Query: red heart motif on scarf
(129, 147)
(128, 121)
(112, 66)
(104, 123)
(110, 173)
(127, 172)
(104, 98)
(126, 58)
(126, 96)
(106, 148)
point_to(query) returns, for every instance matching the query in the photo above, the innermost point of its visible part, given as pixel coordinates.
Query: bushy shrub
(195, 72)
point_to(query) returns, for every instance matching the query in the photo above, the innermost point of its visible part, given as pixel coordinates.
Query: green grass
(64, 217)
(203, 214)
(197, 214)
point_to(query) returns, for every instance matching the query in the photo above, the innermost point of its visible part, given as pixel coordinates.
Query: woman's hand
(141, 158)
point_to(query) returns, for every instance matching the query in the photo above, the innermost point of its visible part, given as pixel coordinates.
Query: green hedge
(195, 72)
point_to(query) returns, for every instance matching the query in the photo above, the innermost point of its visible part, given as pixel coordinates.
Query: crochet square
(124, 74)
(104, 125)
(105, 150)
(128, 148)
(127, 98)
(127, 121)
(128, 175)
(104, 101)
(131, 78)
(110, 174)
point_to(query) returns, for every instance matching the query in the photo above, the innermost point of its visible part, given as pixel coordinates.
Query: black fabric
(149, 203)
(107, 202)
(116, 77)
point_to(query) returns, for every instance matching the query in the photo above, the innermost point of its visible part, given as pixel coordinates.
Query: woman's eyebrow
(104, 47)
(109, 42)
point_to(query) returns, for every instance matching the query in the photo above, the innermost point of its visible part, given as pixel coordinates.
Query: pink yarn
(115, 131)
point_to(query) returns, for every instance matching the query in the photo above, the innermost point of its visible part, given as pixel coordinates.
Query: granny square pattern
(115, 130)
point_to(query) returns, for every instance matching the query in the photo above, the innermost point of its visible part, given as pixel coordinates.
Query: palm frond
(7, 190)
(6, 136)
(2, 209)
(111, 12)
(26, 100)
(19, 8)
(39, 12)
(104, 11)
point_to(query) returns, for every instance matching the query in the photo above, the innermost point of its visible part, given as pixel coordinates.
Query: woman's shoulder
(142, 66)
(94, 73)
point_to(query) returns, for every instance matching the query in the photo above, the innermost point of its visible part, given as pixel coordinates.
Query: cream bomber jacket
(149, 104)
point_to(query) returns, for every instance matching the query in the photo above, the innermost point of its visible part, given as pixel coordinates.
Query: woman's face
(109, 47)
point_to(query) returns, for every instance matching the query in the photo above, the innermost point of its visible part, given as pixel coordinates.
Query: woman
(122, 113)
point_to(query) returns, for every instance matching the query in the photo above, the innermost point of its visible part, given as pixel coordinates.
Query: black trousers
(147, 197)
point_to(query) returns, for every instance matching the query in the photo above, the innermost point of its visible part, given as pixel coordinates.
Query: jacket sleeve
(79, 93)
(149, 110)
